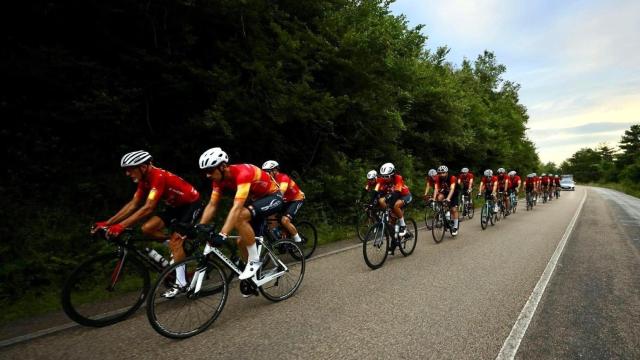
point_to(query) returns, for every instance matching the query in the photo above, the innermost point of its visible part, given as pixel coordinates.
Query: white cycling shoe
(250, 269)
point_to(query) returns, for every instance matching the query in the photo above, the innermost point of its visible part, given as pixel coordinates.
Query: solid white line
(512, 343)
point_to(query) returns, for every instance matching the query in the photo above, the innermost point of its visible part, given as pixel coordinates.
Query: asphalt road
(458, 299)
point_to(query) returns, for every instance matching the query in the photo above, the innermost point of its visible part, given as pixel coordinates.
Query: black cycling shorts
(292, 208)
(264, 207)
(185, 214)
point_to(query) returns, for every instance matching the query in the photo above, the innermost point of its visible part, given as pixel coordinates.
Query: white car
(567, 183)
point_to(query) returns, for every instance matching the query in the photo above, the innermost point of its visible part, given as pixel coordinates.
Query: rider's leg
(154, 229)
(286, 222)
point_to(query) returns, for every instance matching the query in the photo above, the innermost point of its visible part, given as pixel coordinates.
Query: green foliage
(329, 88)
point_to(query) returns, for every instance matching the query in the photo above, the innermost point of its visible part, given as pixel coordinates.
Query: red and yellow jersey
(162, 184)
(514, 181)
(248, 181)
(370, 185)
(393, 183)
(488, 182)
(502, 181)
(466, 178)
(444, 183)
(289, 189)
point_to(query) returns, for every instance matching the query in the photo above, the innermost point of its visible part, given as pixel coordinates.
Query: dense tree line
(606, 164)
(329, 88)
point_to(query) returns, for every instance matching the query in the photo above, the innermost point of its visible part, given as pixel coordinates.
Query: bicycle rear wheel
(190, 312)
(375, 246)
(485, 213)
(408, 244)
(429, 213)
(286, 285)
(438, 228)
(105, 290)
(470, 210)
(309, 236)
(364, 219)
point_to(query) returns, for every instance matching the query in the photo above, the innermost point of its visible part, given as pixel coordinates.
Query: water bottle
(447, 215)
(157, 257)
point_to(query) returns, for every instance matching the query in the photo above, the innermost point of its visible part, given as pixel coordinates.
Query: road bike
(201, 301)
(109, 287)
(502, 208)
(466, 206)
(442, 222)
(429, 212)
(487, 214)
(366, 216)
(383, 237)
(513, 202)
(529, 199)
(306, 230)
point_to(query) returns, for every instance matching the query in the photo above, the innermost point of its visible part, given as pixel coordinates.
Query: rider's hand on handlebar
(99, 225)
(115, 230)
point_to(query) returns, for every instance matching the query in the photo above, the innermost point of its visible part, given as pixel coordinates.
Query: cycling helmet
(464, 170)
(534, 174)
(372, 175)
(443, 169)
(557, 176)
(543, 174)
(488, 172)
(530, 175)
(212, 158)
(270, 165)
(501, 170)
(432, 172)
(387, 169)
(135, 158)
(512, 173)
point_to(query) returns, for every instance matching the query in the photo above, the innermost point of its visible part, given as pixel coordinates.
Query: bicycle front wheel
(408, 243)
(285, 285)
(470, 210)
(438, 228)
(364, 220)
(429, 214)
(309, 236)
(485, 214)
(375, 246)
(105, 289)
(194, 308)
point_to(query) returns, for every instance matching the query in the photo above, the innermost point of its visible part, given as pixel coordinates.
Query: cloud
(581, 130)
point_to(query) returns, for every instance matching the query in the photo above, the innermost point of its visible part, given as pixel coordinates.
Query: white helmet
(534, 174)
(432, 173)
(488, 172)
(270, 165)
(530, 175)
(387, 169)
(135, 158)
(543, 174)
(372, 175)
(443, 169)
(212, 158)
(464, 170)
(512, 173)
(501, 170)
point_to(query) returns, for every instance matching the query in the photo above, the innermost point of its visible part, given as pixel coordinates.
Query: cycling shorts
(185, 214)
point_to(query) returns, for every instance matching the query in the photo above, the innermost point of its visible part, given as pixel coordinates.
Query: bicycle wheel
(104, 290)
(484, 216)
(309, 237)
(438, 228)
(408, 244)
(190, 312)
(470, 210)
(428, 217)
(285, 286)
(375, 246)
(364, 219)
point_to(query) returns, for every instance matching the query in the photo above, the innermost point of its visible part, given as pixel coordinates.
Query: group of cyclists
(258, 193)
(388, 188)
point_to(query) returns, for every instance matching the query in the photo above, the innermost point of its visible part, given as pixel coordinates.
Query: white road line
(512, 343)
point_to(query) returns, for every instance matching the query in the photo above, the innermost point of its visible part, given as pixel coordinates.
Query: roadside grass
(627, 188)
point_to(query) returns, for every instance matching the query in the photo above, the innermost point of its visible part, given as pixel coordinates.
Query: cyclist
(392, 183)
(291, 194)
(446, 189)
(514, 183)
(182, 202)
(503, 186)
(465, 184)
(430, 182)
(536, 188)
(544, 183)
(529, 186)
(557, 184)
(256, 197)
(370, 186)
(489, 184)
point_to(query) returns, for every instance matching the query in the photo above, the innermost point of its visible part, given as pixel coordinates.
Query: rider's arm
(238, 204)
(210, 210)
(495, 188)
(426, 189)
(126, 210)
(452, 188)
(145, 210)
(481, 187)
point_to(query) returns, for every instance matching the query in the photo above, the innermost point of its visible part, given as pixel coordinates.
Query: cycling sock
(253, 252)
(297, 238)
(455, 223)
(180, 276)
(401, 221)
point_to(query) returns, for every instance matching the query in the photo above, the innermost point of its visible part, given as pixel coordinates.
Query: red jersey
(247, 181)
(530, 182)
(466, 179)
(370, 185)
(171, 188)
(513, 181)
(502, 181)
(545, 180)
(289, 188)
(394, 183)
(430, 181)
(444, 184)
(557, 181)
(536, 179)
(488, 182)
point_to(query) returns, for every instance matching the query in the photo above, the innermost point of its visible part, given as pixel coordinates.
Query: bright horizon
(576, 61)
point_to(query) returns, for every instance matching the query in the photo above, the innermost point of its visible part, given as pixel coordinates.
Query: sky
(578, 62)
